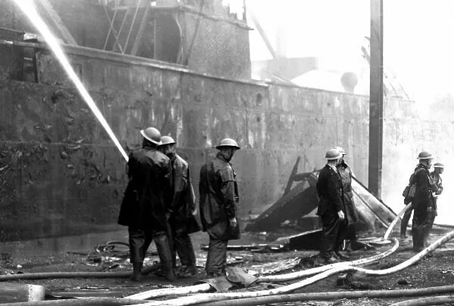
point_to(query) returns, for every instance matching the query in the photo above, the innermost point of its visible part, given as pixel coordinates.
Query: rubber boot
(137, 271)
(165, 256)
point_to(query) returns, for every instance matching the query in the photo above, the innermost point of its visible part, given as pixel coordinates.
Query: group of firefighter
(159, 205)
(423, 202)
(338, 213)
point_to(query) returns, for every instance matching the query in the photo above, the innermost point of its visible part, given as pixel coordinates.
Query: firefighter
(438, 184)
(351, 214)
(183, 207)
(331, 207)
(146, 203)
(218, 205)
(423, 202)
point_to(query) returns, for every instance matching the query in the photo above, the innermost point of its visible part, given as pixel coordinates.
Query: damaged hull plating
(297, 210)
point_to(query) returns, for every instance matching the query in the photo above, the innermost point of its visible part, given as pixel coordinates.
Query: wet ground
(94, 255)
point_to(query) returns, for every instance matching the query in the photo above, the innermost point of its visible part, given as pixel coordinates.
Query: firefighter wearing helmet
(351, 213)
(423, 202)
(218, 205)
(182, 221)
(331, 207)
(146, 203)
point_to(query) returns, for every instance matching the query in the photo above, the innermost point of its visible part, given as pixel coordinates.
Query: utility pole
(376, 97)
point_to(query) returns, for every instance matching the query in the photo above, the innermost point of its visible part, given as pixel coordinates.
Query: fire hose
(274, 278)
(325, 296)
(296, 275)
(344, 267)
(271, 278)
(397, 218)
(258, 295)
(435, 300)
(42, 275)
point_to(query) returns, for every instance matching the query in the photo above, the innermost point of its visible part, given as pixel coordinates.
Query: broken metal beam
(57, 22)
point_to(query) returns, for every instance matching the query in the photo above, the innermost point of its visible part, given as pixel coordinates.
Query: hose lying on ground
(325, 296)
(344, 267)
(313, 271)
(273, 278)
(171, 291)
(80, 302)
(435, 300)
(147, 270)
(270, 278)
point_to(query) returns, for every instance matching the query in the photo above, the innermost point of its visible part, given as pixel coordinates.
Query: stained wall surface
(62, 175)
(213, 41)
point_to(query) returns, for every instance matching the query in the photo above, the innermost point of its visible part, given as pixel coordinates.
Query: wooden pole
(376, 97)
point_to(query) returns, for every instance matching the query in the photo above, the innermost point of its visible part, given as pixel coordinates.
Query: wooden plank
(58, 23)
(143, 26)
(291, 178)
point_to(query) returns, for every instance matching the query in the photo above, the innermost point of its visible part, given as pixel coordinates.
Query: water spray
(28, 7)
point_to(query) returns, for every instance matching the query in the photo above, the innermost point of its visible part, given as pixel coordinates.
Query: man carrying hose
(145, 208)
(183, 207)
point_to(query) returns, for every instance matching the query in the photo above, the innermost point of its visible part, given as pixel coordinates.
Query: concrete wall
(62, 175)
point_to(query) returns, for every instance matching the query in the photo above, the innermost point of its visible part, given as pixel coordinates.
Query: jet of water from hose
(28, 7)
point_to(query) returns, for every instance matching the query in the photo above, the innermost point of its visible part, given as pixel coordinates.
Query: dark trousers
(140, 240)
(217, 256)
(351, 233)
(404, 222)
(333, 231)
(183, 245)
(423, 219)
(433, 214)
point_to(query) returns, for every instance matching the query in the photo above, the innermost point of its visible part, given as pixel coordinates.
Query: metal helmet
(341, 151)
(333, 154)
(167, 140)
(424, 155)
(152, 134)
(439, 165)
(228, 142)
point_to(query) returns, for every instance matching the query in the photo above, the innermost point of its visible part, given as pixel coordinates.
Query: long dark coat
(424, 187)
(329, 190)
(424, 207)
(148, 195)
(346, 175)
(183, 204)
(218, 198)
